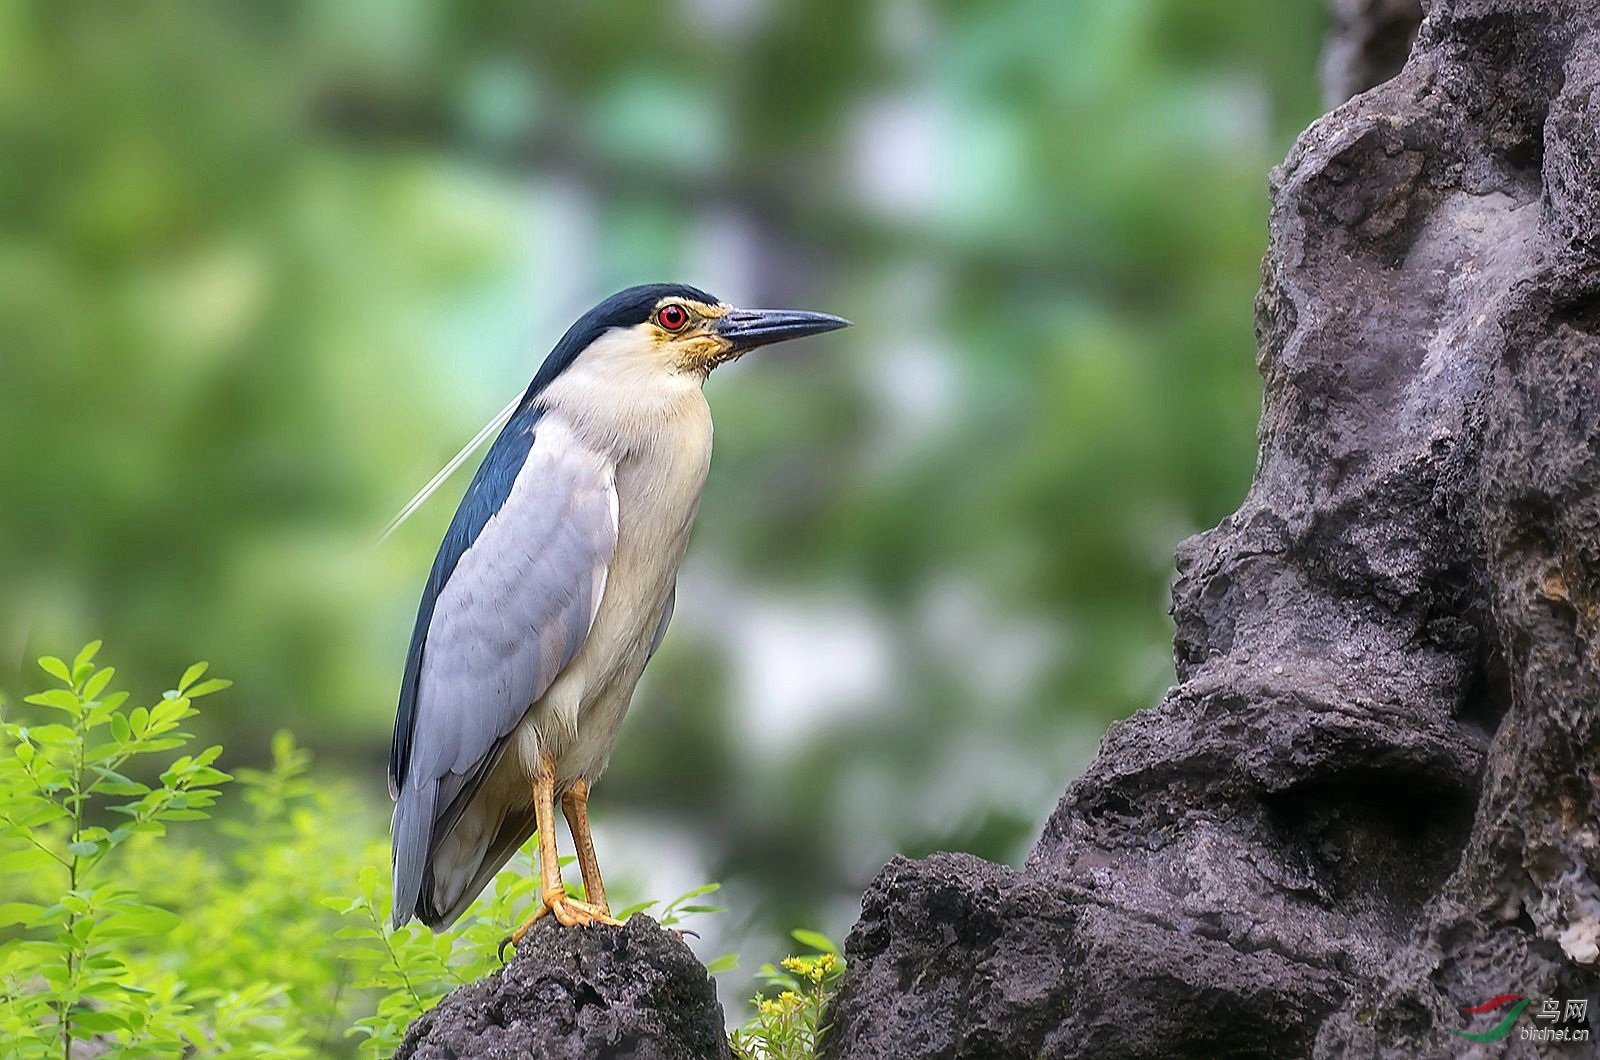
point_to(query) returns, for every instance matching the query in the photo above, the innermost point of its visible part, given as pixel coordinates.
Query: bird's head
(632, 343)
(680, 329)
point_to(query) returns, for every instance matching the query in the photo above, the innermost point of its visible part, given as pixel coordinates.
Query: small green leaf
(704, 888)
(636, 908)
(205, 688)
(97, 1021)
(58, 699)
(164, 713)
(84, 848)
(815, 939)
(86, 656)
(18, 913)
(55, 668)
(191, 675)
(114, 783)
(138, 918)
(51, 734)
(25, 859)
(97, 684)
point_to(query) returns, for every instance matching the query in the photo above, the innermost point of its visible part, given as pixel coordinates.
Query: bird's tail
(412, 829)
(464, 861)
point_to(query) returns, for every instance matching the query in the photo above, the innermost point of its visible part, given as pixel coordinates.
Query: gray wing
(516, 608)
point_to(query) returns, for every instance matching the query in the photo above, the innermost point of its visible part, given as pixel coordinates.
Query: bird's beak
(745, 329)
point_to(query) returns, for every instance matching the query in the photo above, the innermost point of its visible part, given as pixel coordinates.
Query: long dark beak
(745, 329)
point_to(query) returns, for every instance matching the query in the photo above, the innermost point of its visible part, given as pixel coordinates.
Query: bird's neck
(625, 405)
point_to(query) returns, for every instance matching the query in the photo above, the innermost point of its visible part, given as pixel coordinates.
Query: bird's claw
(571, 912)
(568, 911)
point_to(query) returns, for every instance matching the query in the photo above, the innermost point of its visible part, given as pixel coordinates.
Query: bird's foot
(568, 911)
(572, 912)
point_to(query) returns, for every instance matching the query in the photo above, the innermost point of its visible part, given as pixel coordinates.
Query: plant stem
(394, 958)
(72, 885)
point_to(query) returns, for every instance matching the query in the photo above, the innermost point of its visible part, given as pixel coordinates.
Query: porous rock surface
(1373, 798)
(629, 993)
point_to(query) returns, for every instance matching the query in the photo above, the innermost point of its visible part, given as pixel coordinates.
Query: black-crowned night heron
(551, 591)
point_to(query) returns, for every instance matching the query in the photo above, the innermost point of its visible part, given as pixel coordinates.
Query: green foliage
(788, 1024)
(673, 912)
(411, 968)
(68, 808)
(244, 941)
(252, 920)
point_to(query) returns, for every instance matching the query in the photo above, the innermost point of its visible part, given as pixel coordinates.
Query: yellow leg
(554, 900)
(575, 804)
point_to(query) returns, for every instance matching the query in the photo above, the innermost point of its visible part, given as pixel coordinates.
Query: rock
(1372, 799)
(631, 993)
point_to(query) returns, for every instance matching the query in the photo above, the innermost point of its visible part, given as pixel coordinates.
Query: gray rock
(1374, 796)
(631, 993)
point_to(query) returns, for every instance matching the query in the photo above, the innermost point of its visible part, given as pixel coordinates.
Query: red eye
(672, 316)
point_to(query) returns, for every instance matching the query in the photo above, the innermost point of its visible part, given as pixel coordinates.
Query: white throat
(623, 396)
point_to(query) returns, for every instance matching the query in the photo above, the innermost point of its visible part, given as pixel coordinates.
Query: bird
(551, 590)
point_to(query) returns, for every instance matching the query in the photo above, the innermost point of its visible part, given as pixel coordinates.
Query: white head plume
(449, 469)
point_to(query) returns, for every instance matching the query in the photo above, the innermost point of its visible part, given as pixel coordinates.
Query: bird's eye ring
(672, 316)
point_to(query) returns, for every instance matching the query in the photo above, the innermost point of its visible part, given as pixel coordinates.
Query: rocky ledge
(629, 993)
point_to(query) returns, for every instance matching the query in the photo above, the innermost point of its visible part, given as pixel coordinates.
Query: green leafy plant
(68, 805)
(787, 1023)
(673, 912)
(410, 968)
(252, 928)
(120, 939)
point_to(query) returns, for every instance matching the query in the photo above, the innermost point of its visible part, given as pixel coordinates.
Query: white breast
(656, 427)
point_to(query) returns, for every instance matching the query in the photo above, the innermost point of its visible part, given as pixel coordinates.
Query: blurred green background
(264, 267)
